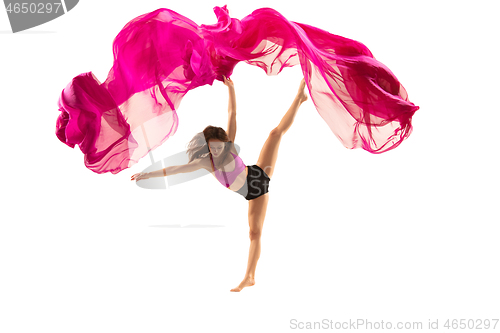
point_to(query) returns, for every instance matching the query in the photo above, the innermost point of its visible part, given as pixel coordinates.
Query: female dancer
(210, 150)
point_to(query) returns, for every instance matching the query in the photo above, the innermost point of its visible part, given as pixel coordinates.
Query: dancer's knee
(276, 132)
(255, 233)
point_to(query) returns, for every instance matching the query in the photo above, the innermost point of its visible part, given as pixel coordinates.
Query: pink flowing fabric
(160, 56)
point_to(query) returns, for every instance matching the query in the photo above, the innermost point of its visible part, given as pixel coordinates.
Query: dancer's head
(213, 140)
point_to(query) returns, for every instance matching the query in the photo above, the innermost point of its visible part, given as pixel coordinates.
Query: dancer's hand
(139, 176)
(228, 82)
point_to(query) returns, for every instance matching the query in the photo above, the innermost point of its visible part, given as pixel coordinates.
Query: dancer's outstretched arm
(231, 109)
(168, 171)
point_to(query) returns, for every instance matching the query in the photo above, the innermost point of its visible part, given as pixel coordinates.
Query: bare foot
(301, 93)
(247, 282)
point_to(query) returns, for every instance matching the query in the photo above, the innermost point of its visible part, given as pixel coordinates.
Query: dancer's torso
(228, 167)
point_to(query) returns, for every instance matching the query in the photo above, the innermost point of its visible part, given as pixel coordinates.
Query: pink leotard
(227, 178)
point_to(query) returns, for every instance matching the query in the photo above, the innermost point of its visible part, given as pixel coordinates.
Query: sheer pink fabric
(160, 56)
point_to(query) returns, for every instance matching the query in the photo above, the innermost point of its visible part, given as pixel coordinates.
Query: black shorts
(256, 183)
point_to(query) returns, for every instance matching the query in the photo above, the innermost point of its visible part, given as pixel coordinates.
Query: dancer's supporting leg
(257, 207)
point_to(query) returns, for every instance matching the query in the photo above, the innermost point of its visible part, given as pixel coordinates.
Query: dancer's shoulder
(232, 148)
(205, 162)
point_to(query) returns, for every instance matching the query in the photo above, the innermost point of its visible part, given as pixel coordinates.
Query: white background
(408, 235)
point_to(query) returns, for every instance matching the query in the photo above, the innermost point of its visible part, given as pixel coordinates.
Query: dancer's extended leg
(269, 152)
(257, 207)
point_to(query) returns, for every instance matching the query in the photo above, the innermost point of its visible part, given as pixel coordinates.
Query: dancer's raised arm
(231, 109)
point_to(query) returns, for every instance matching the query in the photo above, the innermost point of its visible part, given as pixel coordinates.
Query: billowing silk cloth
(160, 56)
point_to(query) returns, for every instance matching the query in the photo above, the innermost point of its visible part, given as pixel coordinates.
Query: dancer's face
(216, 147)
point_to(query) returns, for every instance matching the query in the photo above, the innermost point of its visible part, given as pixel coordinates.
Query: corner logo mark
(28, 14)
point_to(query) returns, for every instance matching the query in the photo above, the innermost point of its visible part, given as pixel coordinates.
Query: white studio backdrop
(410, 235)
